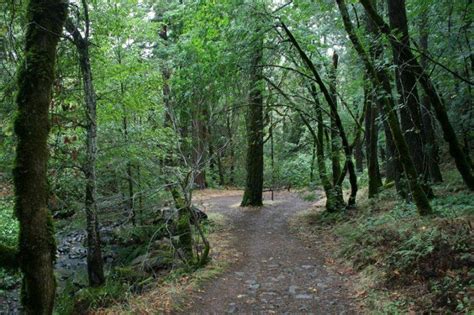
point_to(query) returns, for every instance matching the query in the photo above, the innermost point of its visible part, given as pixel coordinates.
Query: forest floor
(276, 272)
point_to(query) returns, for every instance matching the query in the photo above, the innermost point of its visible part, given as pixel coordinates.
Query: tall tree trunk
(131, 199)
(394, 169)
(254, 187)
(94, 253)
(371, 135)
(166, 74)
(349, 164)
(432, 149)
(416, 189)
(95, 267)
(410, 114)
(37, 250)
(335, 140)
(375, 180)
(334, 197)
(407, 57)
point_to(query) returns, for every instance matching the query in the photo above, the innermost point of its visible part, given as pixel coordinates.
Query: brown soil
(276, 272)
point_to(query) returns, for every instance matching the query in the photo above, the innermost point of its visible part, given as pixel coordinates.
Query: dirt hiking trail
(277, 273)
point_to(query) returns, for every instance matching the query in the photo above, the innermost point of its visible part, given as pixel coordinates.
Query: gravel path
(276, 273)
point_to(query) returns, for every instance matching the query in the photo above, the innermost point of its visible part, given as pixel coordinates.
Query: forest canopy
(116, 116)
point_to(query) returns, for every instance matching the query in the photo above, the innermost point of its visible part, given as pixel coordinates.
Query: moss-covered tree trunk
(349, 164)
(254, 186)
(37, 250)
(334, 198)
(374, 109)
(183, 232)
(95, 268)
(408, 58)
(371, 137)
(410, 113)
(419, 196)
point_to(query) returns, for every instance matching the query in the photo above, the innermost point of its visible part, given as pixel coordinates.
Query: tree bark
(254, 187)
(450, 136)
(410, 114)
(95, 268)
(418, 194)
(335, 139)
(37, 247)
(200, 138)
(334, 198)
(371, 135)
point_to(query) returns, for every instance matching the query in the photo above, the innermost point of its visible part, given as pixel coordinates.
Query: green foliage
(72, 301)
(410, 250)
(8, 241)
(8, 223)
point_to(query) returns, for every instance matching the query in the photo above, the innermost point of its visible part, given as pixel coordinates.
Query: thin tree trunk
(140, 195)
(335, 139)
(220, 168)
(334, 198)
(345, 143)
(231, 149)
(166, 74)
(200, 142)
(313, 159)
(37, 250)
(95, 268)
(432, 149)
(131, 199)
(407, 57)
(418, 194)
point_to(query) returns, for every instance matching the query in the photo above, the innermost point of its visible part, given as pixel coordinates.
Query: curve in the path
(276, 273)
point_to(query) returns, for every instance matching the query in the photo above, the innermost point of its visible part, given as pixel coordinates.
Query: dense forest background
(363, 105)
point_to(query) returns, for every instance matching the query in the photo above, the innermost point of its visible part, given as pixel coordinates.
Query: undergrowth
(130, 280)
(410, 263)
(8, 238)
